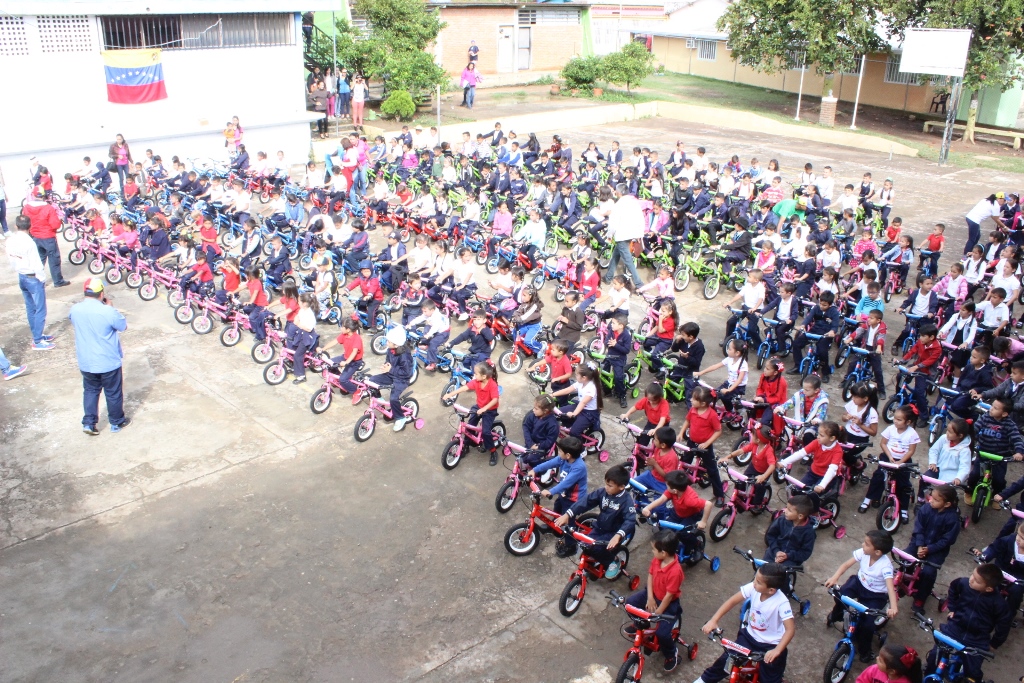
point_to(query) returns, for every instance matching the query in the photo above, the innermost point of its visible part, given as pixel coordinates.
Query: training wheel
(418, 424)
(716, 564)
(603, 456)
(634, 582)
(805, 607)
(691, 652)
(839, 532)
(636, 393)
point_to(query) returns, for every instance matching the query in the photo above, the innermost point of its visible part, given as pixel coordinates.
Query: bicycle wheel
(321, 401)
(888, 519)
(628, 672)
(889, 412)
(721, 525)
(572, 597)
(980, 500)
(519, 540)
(681, 279)
(711, 287)
(506, 497)
(838, 664)
(451, 456)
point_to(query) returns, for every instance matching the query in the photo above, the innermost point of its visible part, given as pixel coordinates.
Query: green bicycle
(635, 368)
(607, 377)
(982, 494)
(694, 267)
(559, 235)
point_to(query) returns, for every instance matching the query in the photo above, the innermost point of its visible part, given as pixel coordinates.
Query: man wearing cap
(420, 140)
(24, 257)
(98, 347)
(45, 224)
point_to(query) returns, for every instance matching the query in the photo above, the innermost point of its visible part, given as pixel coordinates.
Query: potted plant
(598, 92)
(555, 89)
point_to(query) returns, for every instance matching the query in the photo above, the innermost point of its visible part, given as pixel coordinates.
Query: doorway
(524, 48)
(506, 49)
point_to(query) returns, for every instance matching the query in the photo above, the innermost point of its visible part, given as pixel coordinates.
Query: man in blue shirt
(98, 346)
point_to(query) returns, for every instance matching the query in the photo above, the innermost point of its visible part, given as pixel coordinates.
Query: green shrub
(581, 72)
(399, 104)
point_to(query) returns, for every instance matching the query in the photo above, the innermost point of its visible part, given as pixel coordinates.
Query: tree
(393, 50)
(997, 44)
(630, 65)
(777, 35)
(582, 72)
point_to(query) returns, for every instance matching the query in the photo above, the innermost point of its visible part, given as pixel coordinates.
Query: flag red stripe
(136, 94)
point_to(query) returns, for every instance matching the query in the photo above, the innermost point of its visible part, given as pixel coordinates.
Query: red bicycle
(452, 454)
(511, 361)
(645, 624)
(522, 539)
(588, 568)
(743, 664)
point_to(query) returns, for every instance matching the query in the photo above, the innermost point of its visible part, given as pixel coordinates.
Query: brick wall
(552, 45)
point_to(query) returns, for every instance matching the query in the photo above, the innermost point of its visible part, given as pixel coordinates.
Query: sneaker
(299, 380)
(400, 424)
(14, 372)
(904, 516)
(612, 570)
(794, 371)
(48, 337)
(114, 429)
(720, 501)
(881, 395)
(62, 283)
(671, 664)
(463, 317)
(629, 630)
(918, 608)
(622, 402)
(825, 379)
(494, 458)
(91, 430)
(43, 346)
(868, 657)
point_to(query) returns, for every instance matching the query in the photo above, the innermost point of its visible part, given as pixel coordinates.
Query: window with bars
(527, 17)
(893, 74)
(558, 16)
(13, 41)
(65, 33)
(855, 71)
(707, 50)
(197, 31)
(797, 58)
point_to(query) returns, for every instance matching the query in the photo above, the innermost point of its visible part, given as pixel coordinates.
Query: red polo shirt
(703, 426)
(653, 412)
(484, 395)
(665, 580)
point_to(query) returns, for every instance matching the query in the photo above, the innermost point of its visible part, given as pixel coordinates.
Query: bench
(1016, 135)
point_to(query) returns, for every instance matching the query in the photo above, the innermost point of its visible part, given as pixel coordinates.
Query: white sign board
(935, 51)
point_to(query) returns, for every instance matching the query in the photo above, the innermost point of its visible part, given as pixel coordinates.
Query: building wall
(552, 45)
(673, 53)
(71, 115)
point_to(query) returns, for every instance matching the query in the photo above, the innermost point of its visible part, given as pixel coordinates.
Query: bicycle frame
(465, 433)
(841, 660)
(521, 539)
(740, 500)
(791, 572)
(587, 569)
(949, 662)
(828, 513)
(743, 664)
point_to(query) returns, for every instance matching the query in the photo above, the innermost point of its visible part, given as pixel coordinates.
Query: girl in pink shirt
(895, 664)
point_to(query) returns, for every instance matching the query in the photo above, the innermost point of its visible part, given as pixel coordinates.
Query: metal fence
(197, 31)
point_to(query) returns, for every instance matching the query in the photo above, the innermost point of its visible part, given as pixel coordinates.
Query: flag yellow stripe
(129, 59)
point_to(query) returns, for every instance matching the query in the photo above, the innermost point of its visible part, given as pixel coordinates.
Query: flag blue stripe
(142, 75)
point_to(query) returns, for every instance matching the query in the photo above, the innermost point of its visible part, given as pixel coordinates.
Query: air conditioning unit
(691, 43)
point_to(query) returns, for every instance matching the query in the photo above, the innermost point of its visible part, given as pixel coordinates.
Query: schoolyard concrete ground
(230, 535)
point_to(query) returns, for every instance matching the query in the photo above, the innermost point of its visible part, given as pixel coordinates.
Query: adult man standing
(625, 224)
(98, 346)
(45, 226)
(24, 257)
(474, 51)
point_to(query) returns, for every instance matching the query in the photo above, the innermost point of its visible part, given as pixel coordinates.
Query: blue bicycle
(791, 572)
(904, 395)
(915, 325)
(839, 663)
(741, 332)
(811, 363)
(939, 414)
(771, 345)
(949, 667)
(860, 371)
(452, 361)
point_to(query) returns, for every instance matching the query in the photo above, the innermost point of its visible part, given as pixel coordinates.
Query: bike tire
(321, 401)
(720, 525)
(506, 498)
(889, 412)
(681, 278)
(364, 429)
(628, 672)
(888, 519)
(516, 544)
(978, 504)
(838, 664)
(451, 456)
(712, 286)
(510, 362)
(571, 599)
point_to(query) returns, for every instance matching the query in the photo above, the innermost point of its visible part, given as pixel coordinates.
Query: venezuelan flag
(134, 76)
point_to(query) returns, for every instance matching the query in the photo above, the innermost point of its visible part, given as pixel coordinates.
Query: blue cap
(365, 264)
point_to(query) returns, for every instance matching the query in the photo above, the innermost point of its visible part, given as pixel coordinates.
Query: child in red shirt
(662, 460)
(485, 385)
(655, 407)
(688, 507)
(660, 338)
(826, 455)
(561, 367)
(208, 234)
(933, 243)
(664, 586)
(232, 282)
(762, 461)
(369, 287)
(772, 389)
(351, 359)
(198, 277)
(705, 428)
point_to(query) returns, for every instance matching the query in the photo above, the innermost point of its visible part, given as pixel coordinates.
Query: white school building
(221, 58)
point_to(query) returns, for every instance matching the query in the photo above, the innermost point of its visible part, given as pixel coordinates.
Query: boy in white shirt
(872, 586)
(752, 293)
(849, 200)
(994, 313)
(826, 185)
(769, 626)
(437, 332)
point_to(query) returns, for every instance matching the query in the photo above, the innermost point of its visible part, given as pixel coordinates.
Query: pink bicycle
(367, 423)
(828, 510)
(517, 478)
(321, 399)
(468, 435)
(277, 372)
(740, 500)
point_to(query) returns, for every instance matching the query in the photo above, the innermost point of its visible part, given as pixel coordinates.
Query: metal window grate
(198, 31)
(893, 74)
(707, 50)
(855, 71)
(797, 58)
(13, 41)
(563, 17)
(65, 33)
(527, 17)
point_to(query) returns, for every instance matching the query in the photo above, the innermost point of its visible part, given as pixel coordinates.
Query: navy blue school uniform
(278, 265)
(412, 306)
(688, 364)
(818, 322)
(908, 305)
(1007, 493)
(541, 432)
(1003, 553)
(397, 378)
(479, 345)
(619, 347)
(615, 157)
(979, 620)
(937, 530)
(803, 287)
(785, 537)
(616, 517)
(569, 210)
(820, 237)
(971, 378)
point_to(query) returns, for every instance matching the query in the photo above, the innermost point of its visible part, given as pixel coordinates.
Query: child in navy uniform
(978, 617)
(540, 430)
(571, 474)
(1007, 553)
(935, 531)
(479, 337)
(615, 522)
(768, 628)
(790, 538)
(396, 373)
